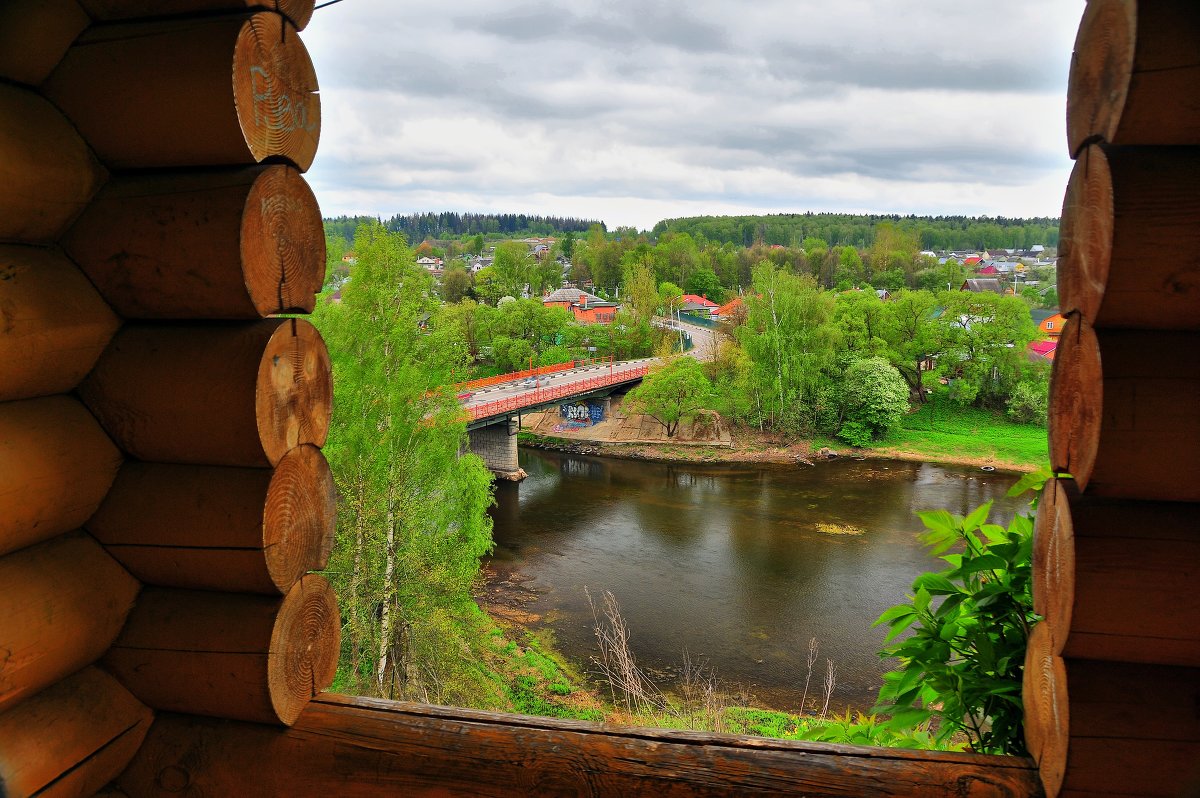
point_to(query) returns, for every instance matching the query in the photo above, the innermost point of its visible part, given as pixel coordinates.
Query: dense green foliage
(449, 224)
(412, 521)
(670, 393)
(874, 398)
(970, 622)
(930, 232)
(811, 362)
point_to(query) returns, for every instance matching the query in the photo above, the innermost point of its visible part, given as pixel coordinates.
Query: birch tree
(412, 519)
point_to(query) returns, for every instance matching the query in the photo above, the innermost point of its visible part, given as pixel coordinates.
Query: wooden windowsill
(348, 746)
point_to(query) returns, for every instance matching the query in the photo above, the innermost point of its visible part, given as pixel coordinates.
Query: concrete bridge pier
(497, 445)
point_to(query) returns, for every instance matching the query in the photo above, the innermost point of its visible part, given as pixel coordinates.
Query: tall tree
(790, 336)
(412, 520)
(671, 392)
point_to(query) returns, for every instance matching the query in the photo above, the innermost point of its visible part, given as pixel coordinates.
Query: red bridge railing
(543, 395)
(567, 365)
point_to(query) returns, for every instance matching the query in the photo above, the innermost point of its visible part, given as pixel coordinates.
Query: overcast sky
(631, 112)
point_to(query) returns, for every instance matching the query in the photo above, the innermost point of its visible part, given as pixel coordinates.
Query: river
(738, 564)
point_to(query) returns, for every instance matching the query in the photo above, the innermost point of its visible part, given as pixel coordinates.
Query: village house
(978, 285)
(697, 304)
(586, 308)
(1049, 322)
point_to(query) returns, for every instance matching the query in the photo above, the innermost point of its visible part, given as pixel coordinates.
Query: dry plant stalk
(617, 662)
(813, 648)
(830, 681)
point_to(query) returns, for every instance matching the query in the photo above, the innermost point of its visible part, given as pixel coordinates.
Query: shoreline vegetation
(935, 432)
(542, 681)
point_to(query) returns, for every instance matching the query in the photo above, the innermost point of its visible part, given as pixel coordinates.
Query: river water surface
(738, 564)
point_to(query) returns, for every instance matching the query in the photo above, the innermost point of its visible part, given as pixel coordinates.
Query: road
(703, 348)
(561, 379)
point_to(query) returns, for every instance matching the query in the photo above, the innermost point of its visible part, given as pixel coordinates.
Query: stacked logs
(160, 425)
(1112, 676)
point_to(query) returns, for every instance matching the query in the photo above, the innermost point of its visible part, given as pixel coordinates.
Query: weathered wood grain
(248, 530)
(1135, 729)
(1047, 712)
(1116, 579)
(1134, 74)
(47, 172)
(356, 747)
(53, 324)
(209, 91)
(1130, 253)
(70, 739)
(230, 655)
(213, 394)
(57, 465)
(63, 603)
(226, 244)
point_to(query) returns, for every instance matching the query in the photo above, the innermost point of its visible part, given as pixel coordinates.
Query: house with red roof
(586, 308)
(729, 308)
(699, 301)
(1042, 350)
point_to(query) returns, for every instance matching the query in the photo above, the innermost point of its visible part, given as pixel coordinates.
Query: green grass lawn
(941, 429)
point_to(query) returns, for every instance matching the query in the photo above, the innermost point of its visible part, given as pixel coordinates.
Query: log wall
(209, 474)
(195, 223)
(1113, 670)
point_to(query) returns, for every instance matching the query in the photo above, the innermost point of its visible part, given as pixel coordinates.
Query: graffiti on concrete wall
(579, 414)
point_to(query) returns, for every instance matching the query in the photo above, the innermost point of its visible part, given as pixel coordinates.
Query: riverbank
(937, 431)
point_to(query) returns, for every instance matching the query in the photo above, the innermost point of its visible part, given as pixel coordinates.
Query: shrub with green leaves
(963, 662)
(1029, 402)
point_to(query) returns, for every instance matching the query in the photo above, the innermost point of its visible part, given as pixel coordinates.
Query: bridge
(496, 403)
(496, 407)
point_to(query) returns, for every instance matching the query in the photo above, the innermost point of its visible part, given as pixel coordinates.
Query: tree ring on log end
(282, 243)
(1076, 401)
(275, 91)
(1101, 68)
(305, 643)
(294, 392)
(1054, 564)
(298, 516)
(1047, 721)
(1085, 243)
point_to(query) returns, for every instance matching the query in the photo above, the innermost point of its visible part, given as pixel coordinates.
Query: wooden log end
(55, 323)
(57, 465)
(1054, 564)
(305, 644)
(1044, 691)
(229, 394)
(294, 394)
(299, 517)
(237, 530)
(1101, 67)
(49, 172)
(1076, 401)
(71, 738)
(282, 243)
(275, 91)
(257, 231)
(1085, 242)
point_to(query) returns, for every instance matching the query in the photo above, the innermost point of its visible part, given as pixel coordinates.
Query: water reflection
(741, 565)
